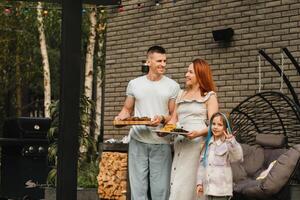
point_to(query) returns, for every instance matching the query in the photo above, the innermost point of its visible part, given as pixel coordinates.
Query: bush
(87, 152)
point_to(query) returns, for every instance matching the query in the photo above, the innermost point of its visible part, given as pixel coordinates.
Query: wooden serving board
(176, 133)
(131, 122)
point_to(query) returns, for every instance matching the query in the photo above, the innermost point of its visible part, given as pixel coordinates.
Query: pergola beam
(69, 117)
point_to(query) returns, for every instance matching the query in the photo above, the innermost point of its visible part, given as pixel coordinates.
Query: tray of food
(172, 129)
(133, 121)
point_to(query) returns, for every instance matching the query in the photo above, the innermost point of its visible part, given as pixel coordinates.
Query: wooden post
(69, 100)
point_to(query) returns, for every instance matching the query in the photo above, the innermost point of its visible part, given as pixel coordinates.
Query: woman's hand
(162, 134)
(192, 134)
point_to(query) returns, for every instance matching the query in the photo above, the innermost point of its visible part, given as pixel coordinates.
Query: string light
(45, 12)
(24, 9)
(121, 8)
(7, 11)
(45, 7)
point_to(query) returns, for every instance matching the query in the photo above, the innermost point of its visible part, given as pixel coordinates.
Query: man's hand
(120, 118)
(157, 119)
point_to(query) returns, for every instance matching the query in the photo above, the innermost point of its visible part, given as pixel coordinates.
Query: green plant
(87, 152)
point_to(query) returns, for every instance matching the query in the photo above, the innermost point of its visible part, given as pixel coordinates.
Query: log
(112, 177)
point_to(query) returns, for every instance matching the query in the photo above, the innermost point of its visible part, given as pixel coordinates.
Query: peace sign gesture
(227, 135)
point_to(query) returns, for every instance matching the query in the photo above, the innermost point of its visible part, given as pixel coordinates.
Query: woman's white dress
(192, 115)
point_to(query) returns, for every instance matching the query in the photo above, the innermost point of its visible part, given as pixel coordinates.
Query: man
(152, 95)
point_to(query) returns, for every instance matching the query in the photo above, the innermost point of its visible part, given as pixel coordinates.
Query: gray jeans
(149, 166)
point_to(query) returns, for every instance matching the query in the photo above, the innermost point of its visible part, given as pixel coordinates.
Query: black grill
(24, 163)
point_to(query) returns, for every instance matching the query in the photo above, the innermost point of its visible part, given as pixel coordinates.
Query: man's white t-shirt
(151, 98)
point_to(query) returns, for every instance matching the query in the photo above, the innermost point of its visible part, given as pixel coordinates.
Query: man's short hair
(156, 49)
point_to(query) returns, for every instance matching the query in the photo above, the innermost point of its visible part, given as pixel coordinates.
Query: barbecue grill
(24, 163)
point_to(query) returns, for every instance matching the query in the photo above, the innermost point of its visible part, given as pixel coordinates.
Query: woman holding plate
(194, 107)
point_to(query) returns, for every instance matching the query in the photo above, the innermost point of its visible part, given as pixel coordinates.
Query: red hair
(204, 76)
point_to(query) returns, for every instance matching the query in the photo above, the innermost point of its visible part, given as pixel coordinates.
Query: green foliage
(87, 174)
(87, 159)
(19, 40)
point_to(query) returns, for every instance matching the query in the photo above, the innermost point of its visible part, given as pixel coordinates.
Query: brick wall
(185, 28)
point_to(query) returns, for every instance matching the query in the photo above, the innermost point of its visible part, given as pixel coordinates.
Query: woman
(194, 106)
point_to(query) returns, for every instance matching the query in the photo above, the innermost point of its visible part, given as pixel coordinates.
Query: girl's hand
(228, 135)
(199, 190)
(192, 134)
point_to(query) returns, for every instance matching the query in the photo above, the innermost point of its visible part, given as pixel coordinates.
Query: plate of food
(172, 129)
(133, 121)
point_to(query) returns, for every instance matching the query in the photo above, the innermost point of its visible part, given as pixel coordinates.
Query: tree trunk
(18, 83)
(46, 68)
(98, 109)
(101, 33)
(88, 81)
(89, 62)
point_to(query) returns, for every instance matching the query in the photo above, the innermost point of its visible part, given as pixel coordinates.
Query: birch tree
(18, 83)
(101, 34)
(89, 61)
(46, 67)
(88, 81)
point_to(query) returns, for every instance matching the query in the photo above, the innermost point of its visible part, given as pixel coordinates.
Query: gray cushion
(253, 159)
(272, 154)
(277, 178)
(281, 171)
(271, 140)
(238, 172)
(244, 184)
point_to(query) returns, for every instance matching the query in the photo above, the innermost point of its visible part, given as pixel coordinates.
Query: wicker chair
(263, 114)
(266, 112)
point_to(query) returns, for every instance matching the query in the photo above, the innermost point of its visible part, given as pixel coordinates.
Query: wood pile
(112, 178)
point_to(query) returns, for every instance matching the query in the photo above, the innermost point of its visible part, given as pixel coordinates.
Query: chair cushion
(272, 154)
(281, 171)
(253, 159)
(238, 172)
(243, 185)
(265, 172)
(271, 140)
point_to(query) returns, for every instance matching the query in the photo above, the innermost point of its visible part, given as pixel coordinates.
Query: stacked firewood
(112, 178)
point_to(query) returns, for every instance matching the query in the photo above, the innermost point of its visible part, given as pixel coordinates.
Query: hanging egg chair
(266, 113)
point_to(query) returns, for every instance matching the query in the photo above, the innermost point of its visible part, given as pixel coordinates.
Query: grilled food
(168, 127)
(137, 119)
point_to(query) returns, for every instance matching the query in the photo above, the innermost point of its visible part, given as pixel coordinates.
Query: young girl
(214, 178)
